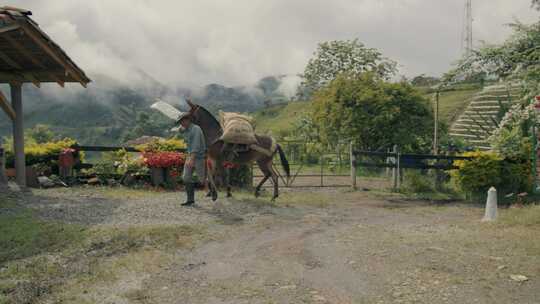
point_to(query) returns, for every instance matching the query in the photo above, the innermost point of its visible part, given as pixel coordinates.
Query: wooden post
(3, 178)
(18, 134)
(322, 169)
(395, 168)
(353, 166)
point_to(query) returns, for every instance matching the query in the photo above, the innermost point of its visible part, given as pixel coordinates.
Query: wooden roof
(27, 54)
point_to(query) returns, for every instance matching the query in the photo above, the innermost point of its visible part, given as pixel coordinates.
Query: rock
(45, 182)
(112, 182)
(94, 181)
(501, 267)
(518, 278)
(319, 298)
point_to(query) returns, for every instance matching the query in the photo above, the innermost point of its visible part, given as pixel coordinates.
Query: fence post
(395, 168)
(353, 166)
(322, 169)
(3, 178)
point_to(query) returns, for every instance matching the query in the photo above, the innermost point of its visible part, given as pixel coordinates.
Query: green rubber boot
(190, 193)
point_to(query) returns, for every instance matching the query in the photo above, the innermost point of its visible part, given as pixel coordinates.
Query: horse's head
(204, 119)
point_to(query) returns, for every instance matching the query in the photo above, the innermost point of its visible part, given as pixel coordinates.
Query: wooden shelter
(28, 55)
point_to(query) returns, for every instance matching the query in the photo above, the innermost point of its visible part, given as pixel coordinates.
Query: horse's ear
(190, 103)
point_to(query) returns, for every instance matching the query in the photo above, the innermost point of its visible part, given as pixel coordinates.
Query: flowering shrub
(510, 138)
(163, 159)
(169, 145)
(40, 153)
(487, 169)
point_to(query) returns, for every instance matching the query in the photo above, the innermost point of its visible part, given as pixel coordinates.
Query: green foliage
(39, 153)
(373, 113)
(416, 181)
(423, 80)
(168, 145)
(40, 133)
(488, 169)
(480, 173)
(342, 56)
(241, 176)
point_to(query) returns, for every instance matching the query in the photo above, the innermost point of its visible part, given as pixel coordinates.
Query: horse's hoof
(209, 194)
(214, 196)
(229, 195)
(257, 194)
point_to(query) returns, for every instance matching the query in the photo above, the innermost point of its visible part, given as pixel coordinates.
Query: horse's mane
(209, 124)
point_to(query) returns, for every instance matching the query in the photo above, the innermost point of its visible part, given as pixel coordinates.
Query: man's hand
(190, 162)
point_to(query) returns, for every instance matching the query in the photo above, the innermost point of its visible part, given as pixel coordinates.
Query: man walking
(195, 159)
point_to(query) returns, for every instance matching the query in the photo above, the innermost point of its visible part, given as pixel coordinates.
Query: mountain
(110, 112)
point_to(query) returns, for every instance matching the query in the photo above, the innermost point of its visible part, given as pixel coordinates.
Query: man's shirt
(195, 141)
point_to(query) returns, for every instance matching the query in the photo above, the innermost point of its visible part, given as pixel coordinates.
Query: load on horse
(233, 140)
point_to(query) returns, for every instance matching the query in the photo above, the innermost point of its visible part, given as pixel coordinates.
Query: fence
(343, 166)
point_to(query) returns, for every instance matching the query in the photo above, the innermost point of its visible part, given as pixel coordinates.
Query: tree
(342, 56)
(373, 113)
(40, 133)
(424, 81)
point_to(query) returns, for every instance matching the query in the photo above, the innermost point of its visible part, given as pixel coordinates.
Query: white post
(491, 205)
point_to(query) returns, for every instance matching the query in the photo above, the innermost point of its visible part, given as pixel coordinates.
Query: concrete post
(18, 134)
(491, 205)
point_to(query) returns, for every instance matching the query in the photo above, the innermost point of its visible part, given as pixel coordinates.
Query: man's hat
(182, 116)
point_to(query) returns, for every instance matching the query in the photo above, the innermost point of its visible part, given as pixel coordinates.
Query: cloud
(236, 42)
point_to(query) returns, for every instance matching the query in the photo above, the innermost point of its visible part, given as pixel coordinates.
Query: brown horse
(212, 131)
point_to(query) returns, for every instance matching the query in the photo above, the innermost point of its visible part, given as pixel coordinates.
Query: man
(195, 159)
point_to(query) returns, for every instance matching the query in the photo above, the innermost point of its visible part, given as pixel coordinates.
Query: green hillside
(279, 119)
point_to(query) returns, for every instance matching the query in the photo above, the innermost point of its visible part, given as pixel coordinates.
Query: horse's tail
(284, 161)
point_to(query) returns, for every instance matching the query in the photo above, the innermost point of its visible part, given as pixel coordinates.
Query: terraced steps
(477, 122)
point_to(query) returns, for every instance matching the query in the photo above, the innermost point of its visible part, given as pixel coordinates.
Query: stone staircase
(478, 120)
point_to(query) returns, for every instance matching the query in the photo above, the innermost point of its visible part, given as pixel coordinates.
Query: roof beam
(9, 28)
(4, 104)
(47, 48)
(35, 76)
(10, 61)
(23, 51)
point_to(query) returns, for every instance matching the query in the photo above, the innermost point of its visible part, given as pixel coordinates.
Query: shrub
(169, 145)
(40, 153)
(417, 182)
(488, 169)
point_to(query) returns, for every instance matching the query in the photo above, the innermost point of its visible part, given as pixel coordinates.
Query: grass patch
(526, 216)
(452, 103)
(22, 235)
(280, 119)
(43, 260)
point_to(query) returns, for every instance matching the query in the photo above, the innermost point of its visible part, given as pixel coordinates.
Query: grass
(22, 235)
(526, 216)
(42, 259)
(279, 119)
(452, 103)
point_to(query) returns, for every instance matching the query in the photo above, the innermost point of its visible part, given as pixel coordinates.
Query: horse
(212, 131)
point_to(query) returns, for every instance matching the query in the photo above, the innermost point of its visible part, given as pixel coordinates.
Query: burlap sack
(237, 128)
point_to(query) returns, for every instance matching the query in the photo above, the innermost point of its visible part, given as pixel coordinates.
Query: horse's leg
(228, 181)
(211, 183)
(275, 179)
(267, 175)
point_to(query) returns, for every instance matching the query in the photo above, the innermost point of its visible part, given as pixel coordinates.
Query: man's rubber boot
(190, 193)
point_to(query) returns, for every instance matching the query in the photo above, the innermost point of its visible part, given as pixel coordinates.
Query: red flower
(229, 165)
(163, 159)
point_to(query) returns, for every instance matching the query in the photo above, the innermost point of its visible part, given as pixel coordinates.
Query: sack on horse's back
(237, 128)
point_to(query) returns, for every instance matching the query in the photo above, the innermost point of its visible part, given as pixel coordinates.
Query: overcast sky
(236, 42)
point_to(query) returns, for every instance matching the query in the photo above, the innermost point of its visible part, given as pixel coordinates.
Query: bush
(40, 153)
(488, 169)
(169, 145)
(241, 176)
(417, 182)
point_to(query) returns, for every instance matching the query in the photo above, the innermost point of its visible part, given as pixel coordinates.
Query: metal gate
(312, 165)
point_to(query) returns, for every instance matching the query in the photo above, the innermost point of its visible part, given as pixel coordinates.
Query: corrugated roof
(27, 54)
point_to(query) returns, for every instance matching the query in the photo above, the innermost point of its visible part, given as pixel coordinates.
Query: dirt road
(313, 246)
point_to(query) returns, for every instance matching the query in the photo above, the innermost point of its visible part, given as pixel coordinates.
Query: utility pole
(467, 34)
(436, 126)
